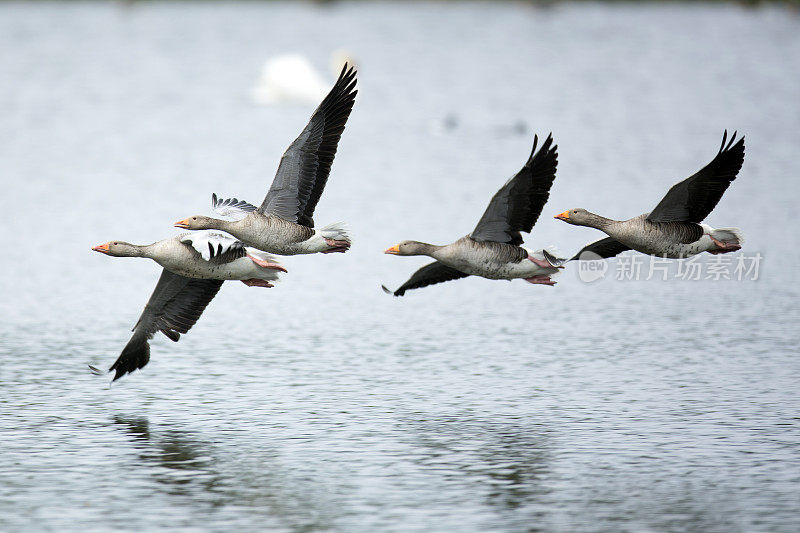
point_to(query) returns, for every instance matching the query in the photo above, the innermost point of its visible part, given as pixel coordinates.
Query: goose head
(408, 248)
(198, 222)
(117, 249)
(578, 217)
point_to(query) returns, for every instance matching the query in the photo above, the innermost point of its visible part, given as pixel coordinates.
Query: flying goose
(493, 250)
(673, 228)
(195, 265)
(283, 224)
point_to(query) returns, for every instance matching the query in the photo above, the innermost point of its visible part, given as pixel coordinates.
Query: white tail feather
(728, 235)
(336, 231)
(264, 256)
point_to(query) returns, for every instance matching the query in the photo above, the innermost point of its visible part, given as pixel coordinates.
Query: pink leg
(257, 282)
(336, 246)
(724, 247)
(541, 280)
(540, 262)
(266, 264)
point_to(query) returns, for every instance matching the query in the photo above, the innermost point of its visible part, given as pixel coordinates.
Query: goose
(673, 228)
(283, 224)
(194, 267)
(493, 250)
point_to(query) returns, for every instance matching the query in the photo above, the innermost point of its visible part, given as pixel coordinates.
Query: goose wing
(231, 207)
(692, 199)
(215, 247)
(306, 164)
(518, 203)
(174, 307)
(431, 274)
(604, 248)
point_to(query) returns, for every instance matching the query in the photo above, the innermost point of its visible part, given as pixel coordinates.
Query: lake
(325, 405)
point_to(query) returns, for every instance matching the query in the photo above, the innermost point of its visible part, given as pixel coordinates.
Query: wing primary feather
(602, 249)
(692, 199)
(430, 274)
(174, 307)
(306, 164)
(516, 206)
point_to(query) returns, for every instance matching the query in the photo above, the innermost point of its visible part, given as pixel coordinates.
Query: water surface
(323, 404)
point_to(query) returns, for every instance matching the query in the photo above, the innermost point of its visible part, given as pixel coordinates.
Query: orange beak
(563, 216)
(394, 250)
(102, 248)
(182, 223)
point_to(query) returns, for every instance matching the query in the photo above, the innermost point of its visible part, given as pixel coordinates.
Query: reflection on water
(188, 466)
(323, 404)
(187, 470)
(508, 460)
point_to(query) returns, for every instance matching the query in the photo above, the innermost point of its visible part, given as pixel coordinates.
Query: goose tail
(336, 231)
(336, 237)
(732, 236)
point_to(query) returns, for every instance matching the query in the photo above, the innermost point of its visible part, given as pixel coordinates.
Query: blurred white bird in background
(292, 79)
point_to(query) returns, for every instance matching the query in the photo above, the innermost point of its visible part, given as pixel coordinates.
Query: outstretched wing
(431, 274)
(692, 199)
(215, 247)
(174, 307)
(231, 207)
(518, 203)
(602, 249)
(306, 164)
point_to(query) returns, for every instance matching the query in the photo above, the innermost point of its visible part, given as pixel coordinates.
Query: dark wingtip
(535, 143)
(134, 356)
(732, 146)
(213, 199)
(547, 146)
(553, 260)
(96, 371)
(347, 74)
(733, 139)
(398, 292)
(728, 144)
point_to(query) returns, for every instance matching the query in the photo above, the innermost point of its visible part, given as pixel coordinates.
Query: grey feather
(692, 199)
(306, 164)
(174, 307)
(518, 203)
(430, 274)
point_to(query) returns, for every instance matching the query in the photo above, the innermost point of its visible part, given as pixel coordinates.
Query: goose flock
(195, 264)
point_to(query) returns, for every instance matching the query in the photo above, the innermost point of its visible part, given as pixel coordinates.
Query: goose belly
(486, 268)
(275, 246)
(279, 237)
(681, 250)
(652, 239)
(242, 268)
(672, 250)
